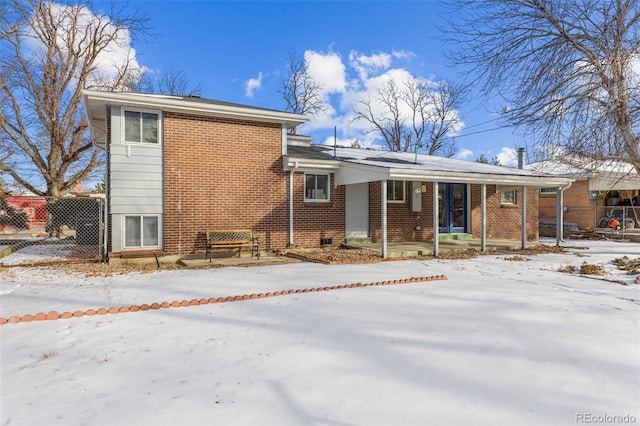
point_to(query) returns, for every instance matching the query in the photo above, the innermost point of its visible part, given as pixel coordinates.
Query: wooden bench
(232, 238)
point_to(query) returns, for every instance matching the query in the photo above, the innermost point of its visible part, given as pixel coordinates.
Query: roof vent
(194, 95)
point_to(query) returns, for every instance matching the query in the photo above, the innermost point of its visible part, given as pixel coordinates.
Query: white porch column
(436, 223)
(559, 216)
(383, 217)
(291, 207)
(483, 217)
(524, 218)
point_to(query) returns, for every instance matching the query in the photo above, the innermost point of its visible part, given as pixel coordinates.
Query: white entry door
(357, 210)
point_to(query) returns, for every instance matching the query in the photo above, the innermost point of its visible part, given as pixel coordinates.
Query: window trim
(548, 191)
(317, 200)
(159, 119)
(141, 246)
(509, 203)
(404, 191)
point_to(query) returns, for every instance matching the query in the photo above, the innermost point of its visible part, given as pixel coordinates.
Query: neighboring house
(593, 194)
(179, 165)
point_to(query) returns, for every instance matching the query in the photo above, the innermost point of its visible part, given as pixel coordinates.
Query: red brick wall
(503, 221)
(580, 207)
(315, 220)
(401, 221)
(222, 174)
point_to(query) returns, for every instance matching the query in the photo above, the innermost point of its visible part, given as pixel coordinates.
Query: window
(141, 231)
(508, 197)
(548, 191)
(316, 187)
(141, 127)
(395, 191)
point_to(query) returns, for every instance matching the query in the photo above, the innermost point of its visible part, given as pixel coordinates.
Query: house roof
(605, 176)
(96, 102)
(352, 165)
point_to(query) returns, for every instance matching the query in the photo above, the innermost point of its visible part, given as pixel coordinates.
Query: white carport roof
(352, 165)
(604, 176)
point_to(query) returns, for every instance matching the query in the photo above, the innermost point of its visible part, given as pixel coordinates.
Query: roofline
(180, 104)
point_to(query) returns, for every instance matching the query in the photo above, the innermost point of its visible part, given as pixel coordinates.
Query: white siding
(136, 179)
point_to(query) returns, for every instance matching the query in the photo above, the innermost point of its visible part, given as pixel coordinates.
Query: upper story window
(141, 127)
(395, 191)
(316, 187)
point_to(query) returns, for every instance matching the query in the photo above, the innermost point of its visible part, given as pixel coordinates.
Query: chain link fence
(605, 219)
(42, 230)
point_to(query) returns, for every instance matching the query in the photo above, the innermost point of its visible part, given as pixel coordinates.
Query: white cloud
(464, 154)
(403, 54)
(328, 70)
(508, 157)
(365, 65)
(251, 85)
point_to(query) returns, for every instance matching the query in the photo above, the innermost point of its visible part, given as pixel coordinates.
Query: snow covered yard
(505, 340)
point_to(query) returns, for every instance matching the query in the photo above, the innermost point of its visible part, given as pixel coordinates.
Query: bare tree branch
(567, 70)
(49, 53)
(418, 116)
(301, 92)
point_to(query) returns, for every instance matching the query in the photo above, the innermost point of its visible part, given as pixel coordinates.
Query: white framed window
(141, 126)
(141, 231)
(548, 191)
(395, 191)
(508, 197)
(316, 187)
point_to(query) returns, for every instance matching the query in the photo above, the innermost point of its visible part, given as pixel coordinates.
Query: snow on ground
(500, 342)
(36, 254)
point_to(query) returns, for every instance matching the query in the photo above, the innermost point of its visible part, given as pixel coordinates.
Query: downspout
(560, 213)
(105, 207)
(291, 174)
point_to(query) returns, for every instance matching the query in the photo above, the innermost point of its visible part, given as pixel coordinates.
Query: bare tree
(568, 70)
(418, 116)
(166, 82)
(300, 91)
(49, 52)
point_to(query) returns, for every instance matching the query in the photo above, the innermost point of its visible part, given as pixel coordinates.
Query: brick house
(178, 165)
(592, 194)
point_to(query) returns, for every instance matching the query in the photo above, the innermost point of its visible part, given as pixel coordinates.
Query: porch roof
(353, 165)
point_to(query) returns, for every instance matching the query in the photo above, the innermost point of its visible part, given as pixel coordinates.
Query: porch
(447, 244)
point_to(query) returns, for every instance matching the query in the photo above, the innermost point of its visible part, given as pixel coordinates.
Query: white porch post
(483, 217)
(291, 207)
(524, 218)
(383, 218)
(436, 223)
(523, 227)
(559, 216)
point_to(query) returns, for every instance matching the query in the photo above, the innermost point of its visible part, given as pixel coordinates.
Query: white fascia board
(491, 179)
(305, 164)
(614, 184)
(178, 104)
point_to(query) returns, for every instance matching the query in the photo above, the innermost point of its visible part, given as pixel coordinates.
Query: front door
(452, 207)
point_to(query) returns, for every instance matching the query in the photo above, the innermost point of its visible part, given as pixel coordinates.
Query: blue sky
(238, 50)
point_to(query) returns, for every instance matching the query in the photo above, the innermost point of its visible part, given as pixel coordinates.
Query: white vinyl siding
(136, 180)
